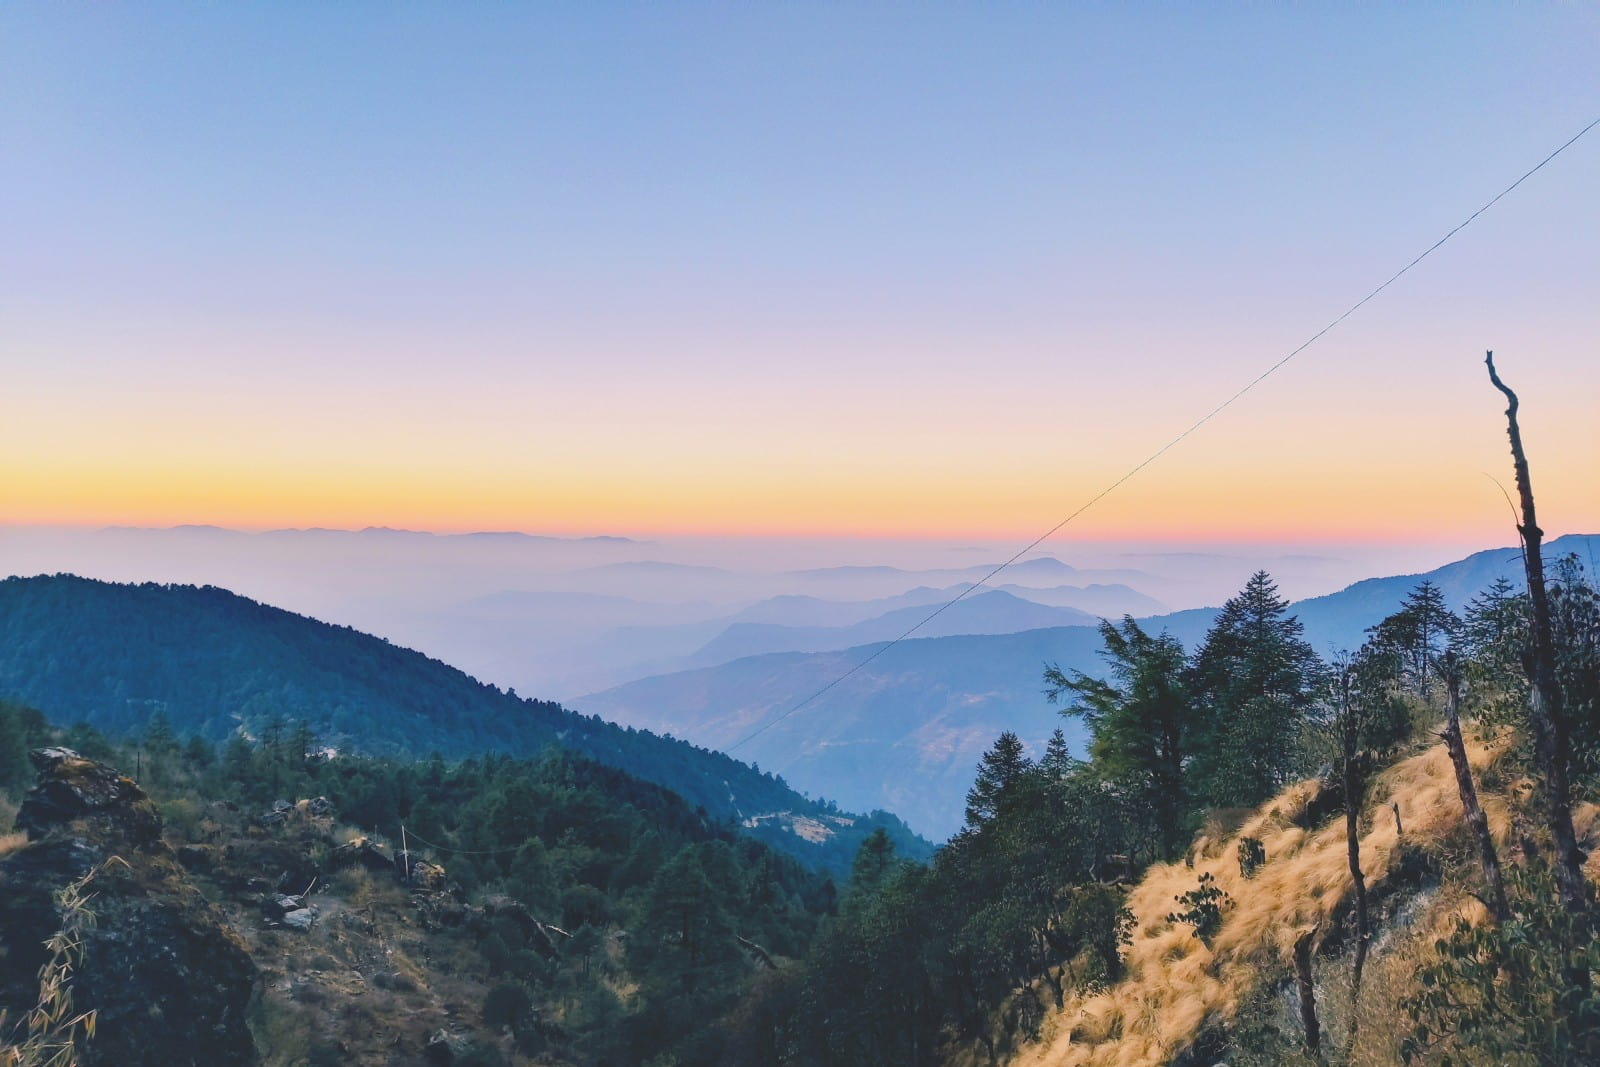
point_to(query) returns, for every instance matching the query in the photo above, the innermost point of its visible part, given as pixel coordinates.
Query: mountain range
(905, 731)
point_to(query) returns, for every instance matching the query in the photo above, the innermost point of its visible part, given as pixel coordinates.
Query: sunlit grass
(1175, 985)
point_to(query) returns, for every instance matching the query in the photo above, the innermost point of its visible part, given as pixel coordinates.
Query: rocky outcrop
(365, 854)
(168, 980)
(71, 788)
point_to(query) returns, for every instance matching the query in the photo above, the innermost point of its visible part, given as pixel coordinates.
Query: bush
(1506, 993)
(506, 1004)
(480, 1054)
(1202, 908)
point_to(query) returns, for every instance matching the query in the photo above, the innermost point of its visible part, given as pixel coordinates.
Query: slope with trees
(218, 665)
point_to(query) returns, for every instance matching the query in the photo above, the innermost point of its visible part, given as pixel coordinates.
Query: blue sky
(513, 265)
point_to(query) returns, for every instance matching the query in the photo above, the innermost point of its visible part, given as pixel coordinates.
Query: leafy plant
(1202, 908)
(1517, 992)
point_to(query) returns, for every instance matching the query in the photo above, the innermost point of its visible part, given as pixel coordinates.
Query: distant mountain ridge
(906, 731)
(368, 531)
(994, 611)
(111, 655)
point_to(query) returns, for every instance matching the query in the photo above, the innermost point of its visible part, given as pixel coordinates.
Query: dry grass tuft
(9, 843)
(51, 1033)
(1175, 984)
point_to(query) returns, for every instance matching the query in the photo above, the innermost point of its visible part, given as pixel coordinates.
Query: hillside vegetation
(904, 732)
(1186, 895)
(1180, 992)
(556, 911)
(217, 665)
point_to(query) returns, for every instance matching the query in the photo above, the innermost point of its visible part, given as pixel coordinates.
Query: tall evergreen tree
(999, 769)
(1056, 763)
(1141, 721)
(684, 945)
(1254, 678)
(1419, 632)
(873, 863)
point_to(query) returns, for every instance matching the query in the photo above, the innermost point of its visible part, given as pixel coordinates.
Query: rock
(72, 788)
(168, 980)
(438, 910)
(361, 853)
(276, 907)
(300, 919)
(425, 876)
(443, 1048)
(268, 865)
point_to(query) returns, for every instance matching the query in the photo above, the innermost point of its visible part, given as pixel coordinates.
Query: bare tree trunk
(1352, 832)
(1545, 714)
(1469, 792)
(1308, 993)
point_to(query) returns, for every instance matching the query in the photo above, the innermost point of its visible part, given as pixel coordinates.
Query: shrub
(506, 1004)
(1202, 908)
(1507, 993)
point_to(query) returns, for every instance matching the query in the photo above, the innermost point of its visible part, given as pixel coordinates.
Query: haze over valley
(713, 641)
(559, 617)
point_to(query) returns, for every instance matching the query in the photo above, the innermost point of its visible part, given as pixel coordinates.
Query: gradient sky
(806, 269)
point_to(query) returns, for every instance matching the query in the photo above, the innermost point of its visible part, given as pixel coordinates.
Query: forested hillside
(216, 665)
(1162, 900)
(551, 910)
(904, 732)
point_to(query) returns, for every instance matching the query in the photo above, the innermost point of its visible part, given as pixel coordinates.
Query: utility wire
(1163, 450)
(463, 851)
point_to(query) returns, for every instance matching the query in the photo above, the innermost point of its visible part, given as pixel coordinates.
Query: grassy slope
(1175, 985)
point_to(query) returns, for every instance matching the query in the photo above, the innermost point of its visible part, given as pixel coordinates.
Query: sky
(845, 270)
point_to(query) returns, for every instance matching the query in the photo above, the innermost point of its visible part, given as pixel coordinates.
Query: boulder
(424, 876)
(168, 980)
(71, 788)
(280, 865)
(364, 853)
(319, 807)
(444, 1048)
(276, 907)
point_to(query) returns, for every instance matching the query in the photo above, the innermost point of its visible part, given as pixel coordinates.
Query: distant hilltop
(512, 536)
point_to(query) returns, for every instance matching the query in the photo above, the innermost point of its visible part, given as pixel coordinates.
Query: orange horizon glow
(1472, 513)
(830, 276)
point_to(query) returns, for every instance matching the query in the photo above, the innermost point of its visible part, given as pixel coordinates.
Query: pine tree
(1057, 761)
(999, 769)
(1253, 677)
(685, 943)
(873, 863)
(1141, 724)
(1419, 631)
(1496, 620)
(159, 739)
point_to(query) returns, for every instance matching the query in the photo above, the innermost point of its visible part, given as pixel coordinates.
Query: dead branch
(1546, 718)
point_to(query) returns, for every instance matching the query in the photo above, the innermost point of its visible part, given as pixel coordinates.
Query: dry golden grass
(1175, 984)
(11, 842)
(51, 1032)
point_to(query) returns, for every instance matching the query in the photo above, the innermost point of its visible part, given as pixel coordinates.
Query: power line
(460, 851)
(1164, 449)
